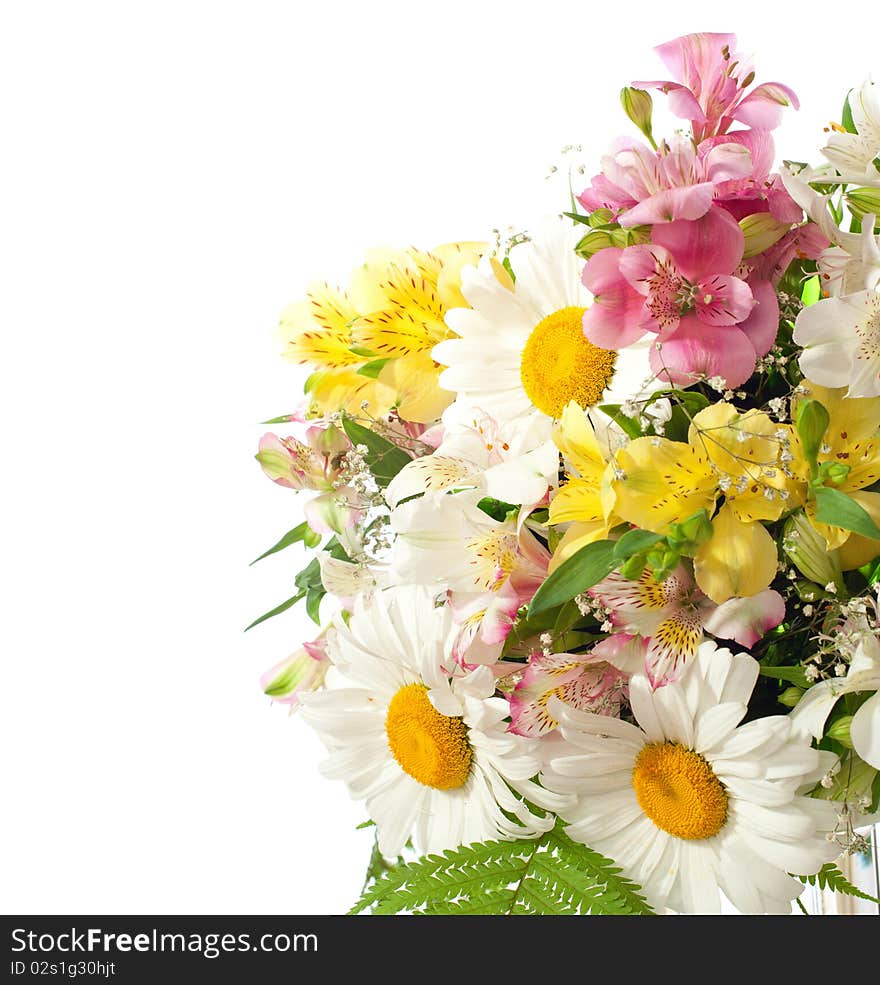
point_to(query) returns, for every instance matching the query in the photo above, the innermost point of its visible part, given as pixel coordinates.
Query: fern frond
(547, 875)
(830, 877)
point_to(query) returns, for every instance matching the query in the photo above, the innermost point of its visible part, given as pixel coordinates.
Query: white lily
(477, 453)
(841, 341)
(855, 155)
(813, 709)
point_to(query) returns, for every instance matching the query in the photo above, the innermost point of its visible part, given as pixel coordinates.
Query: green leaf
(812, 291)
(313, 604)
(794, 675)
(839, 510)
(301, 534)
(495, 508)
(372, 369)
(277, 610)
(634, 542)
(384, 459)
(575, 575)
(628, 425)
(283, 419)
(830, 877)
(846, 117)
(310, 577)
(551, 874)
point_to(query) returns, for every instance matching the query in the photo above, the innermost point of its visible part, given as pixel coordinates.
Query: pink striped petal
(671, 204)
(723, 300)
(762, 108)
(713, 244)
(746, 620)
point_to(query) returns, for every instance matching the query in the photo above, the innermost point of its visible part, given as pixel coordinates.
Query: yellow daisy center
(560, 364)
(430, 747)
(678, 791)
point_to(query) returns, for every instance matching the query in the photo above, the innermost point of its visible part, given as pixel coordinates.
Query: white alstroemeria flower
(478, 452)
(854, 264)
(815, 706)
(855, 155)
(841, 341)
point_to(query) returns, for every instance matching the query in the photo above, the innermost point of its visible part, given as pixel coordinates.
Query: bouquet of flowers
(598, 514)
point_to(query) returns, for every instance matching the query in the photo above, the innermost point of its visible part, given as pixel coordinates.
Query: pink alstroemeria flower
(710, 83)
(678, 181)
(583, 680)
(683, 288)
(667, 620)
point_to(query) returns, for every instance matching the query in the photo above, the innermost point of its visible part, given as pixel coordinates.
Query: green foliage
(839, 510)
(547, 875)
(629, 425)
(794, 675)
(830, 877)
(811, 292)
(575, 575)
(283, 607)
(372, 369)
(384, 459)
(302, 534)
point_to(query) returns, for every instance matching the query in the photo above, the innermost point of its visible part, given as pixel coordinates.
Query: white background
(172, 175)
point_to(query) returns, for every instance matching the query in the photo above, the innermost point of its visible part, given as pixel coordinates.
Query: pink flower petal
(723, 300)
(762, 108)
(696, 351)
(682, 102)
(746, 620)
(712, 244)
(762, 324)
(614, 319)
(671, 204)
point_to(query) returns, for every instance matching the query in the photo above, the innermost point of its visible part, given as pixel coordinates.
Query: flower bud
(863, 202)
(639, 107)
(809, 553)
(761, 231)
(840, 731)
(302, 671)
(790, 696)
(812, 423)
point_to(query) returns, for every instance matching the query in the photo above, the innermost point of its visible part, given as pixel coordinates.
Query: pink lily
(583, 680)
(710, 83)
(671, 616)
(678, 181)
(313, 464)
(682, 287)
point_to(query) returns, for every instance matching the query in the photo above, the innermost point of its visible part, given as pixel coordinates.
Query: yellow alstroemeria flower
(738, 456)
(585, 500)
(853, 439)
(392, 315)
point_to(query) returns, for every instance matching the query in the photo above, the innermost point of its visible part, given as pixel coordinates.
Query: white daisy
(688, 803)
(427, 748)
(521, 355)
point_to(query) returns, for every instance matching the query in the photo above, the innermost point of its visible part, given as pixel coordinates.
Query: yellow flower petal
(413, 378)
(745, 447)
(739, 560)
(397, 332)
(318, 330)
(859, 550)
(575, 438)
(577, 536)
(578, 499)
(455, 256)
(344, 389)
(664, 482)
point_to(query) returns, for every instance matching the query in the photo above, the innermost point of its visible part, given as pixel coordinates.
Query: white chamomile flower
(422, 742)
(521, 355)
(689, 803)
